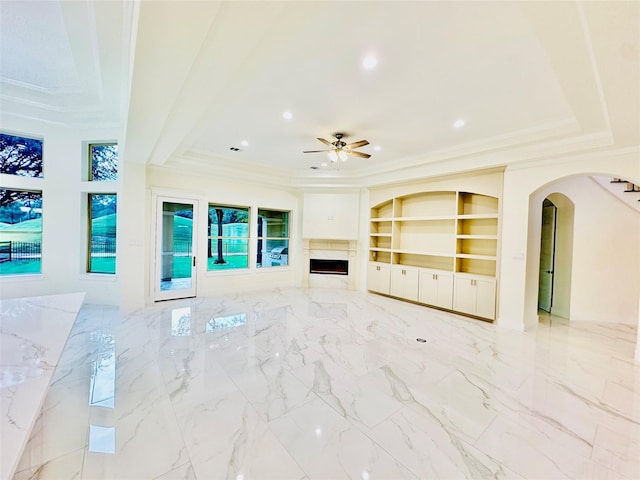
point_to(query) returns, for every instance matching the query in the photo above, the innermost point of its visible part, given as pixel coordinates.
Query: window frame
(90, 146)
(41, 159)
(211, 237)
(89, 236)
(40, 232)
(285, 240)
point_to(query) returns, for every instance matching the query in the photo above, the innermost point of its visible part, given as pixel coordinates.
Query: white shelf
(389, 219)
(380, 235)
(476, 257)
(477, 237)
(477, 216)
(425, 253)
(428, 218)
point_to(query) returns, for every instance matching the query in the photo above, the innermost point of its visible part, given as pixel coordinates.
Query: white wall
(487, 182)
(209, 189)
(330, 215)
(64, 215)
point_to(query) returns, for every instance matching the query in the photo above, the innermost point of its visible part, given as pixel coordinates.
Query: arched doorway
(596, 268)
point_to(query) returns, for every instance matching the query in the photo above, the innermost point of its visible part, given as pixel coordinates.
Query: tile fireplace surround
(331, 384)
(330, 250)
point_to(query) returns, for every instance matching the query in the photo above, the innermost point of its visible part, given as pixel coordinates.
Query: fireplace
(328, 266)
(330, 263)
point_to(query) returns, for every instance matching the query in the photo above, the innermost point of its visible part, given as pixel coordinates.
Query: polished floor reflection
(324, 384)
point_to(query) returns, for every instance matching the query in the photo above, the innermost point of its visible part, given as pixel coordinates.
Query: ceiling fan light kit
(340, 150)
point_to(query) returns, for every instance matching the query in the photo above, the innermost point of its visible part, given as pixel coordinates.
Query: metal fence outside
(12, 250)
(103, 248)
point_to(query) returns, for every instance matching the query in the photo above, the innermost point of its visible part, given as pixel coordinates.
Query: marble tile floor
(331, 384)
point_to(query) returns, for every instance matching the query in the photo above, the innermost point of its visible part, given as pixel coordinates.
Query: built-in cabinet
(437, 248)
(404, 282)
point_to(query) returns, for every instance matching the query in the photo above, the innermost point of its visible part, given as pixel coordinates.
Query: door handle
(194, 260)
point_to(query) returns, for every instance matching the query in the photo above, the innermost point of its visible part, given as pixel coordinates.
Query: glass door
(175, 249)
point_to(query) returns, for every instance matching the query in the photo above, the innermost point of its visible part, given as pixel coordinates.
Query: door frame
(158, 198)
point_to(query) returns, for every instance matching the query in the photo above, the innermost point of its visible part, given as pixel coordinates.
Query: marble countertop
(33, 333)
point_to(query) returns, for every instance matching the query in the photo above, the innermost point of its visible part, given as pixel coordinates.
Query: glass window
(273, 238)
(228, 234)
(102, 233)
(20, 232)
(20, 156)
(103, 158)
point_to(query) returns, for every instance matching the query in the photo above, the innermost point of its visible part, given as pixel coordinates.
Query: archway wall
(525, 186)
(604, 276)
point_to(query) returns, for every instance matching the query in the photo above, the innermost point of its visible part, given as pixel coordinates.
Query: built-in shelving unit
(438, 248)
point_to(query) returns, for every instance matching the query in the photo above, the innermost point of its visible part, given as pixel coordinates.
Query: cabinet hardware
(194, 260)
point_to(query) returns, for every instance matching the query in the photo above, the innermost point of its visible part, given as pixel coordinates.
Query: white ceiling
(189, 80)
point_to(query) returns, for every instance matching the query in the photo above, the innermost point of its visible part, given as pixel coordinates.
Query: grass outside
(103, 265)
(20, 267)
(30, 266)
(233, 261)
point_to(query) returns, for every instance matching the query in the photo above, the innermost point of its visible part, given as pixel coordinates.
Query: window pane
(20, 156)
(104, 161)
(275, 224)
(273, 238)
(102, 233)
(20, 232)
(228, 234)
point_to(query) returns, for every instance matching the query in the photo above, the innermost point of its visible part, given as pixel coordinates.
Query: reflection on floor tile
(328, 384)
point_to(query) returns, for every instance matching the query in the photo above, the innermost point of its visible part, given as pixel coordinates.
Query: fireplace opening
(333, 267)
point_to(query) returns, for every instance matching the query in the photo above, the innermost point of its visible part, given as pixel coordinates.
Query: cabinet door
(444, 298)
(378, 278)
(428, 292)
(464, 295)
(404, 282)
(486, 298)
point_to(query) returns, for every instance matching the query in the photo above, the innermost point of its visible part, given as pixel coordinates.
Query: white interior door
(547, 256)
(175, 262)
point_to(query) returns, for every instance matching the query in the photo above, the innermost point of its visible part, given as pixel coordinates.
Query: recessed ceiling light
(287, 115)
(458, 123)
(244, 143)
(377, 148)
(369, 62)
(323, 164)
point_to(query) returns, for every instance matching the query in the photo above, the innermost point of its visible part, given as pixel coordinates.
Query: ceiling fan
(340, 150)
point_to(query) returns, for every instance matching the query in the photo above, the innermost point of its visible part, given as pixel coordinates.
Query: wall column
(513, 266)
(133, 237)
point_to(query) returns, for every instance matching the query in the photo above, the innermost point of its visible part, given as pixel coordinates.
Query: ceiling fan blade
(357, 154)
(315, 151)
(359, 144)
(326, 142)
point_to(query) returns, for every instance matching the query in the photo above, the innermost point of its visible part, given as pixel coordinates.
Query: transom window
(20, 156)
(103, 162)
